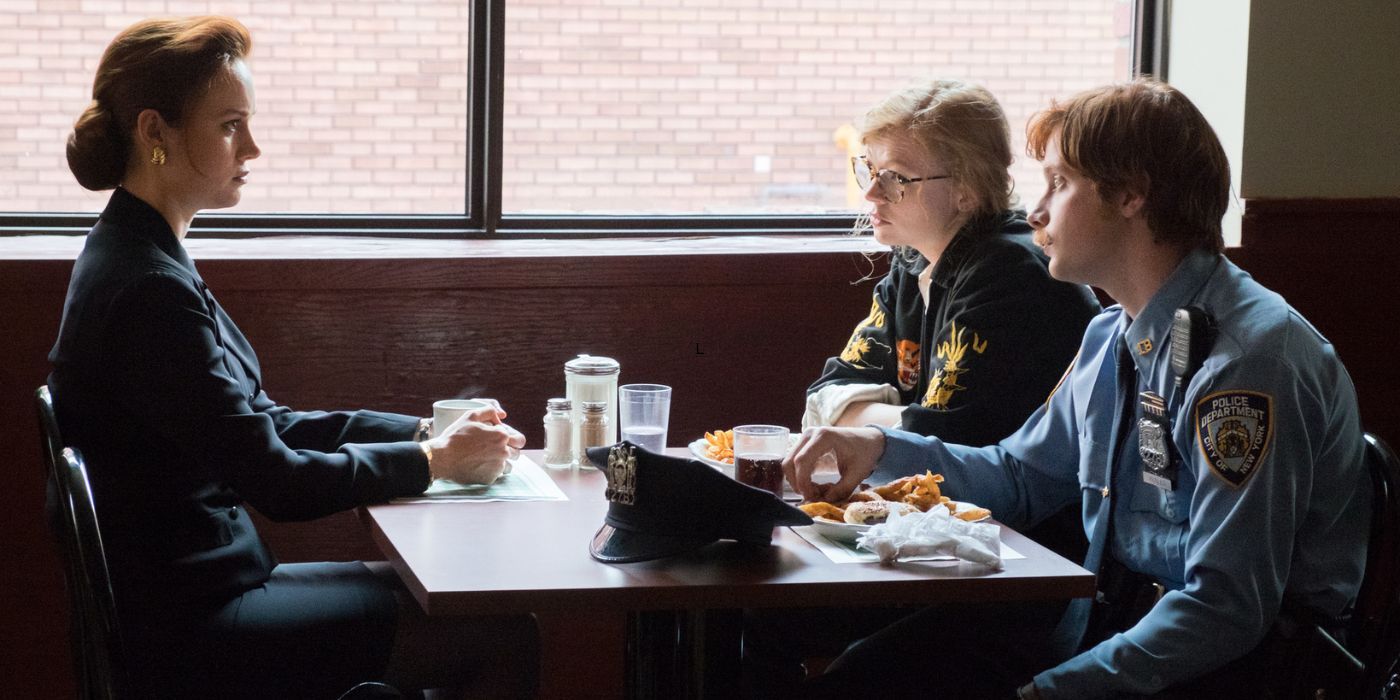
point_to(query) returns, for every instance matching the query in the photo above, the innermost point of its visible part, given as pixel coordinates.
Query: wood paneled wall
(1338, 263)
(738, 336)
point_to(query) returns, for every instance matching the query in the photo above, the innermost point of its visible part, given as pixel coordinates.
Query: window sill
(364, 248)
(361, 263)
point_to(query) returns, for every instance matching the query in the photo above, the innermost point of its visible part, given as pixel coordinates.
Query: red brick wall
(614, 105)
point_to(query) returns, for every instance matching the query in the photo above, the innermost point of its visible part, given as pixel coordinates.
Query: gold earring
(158, 155)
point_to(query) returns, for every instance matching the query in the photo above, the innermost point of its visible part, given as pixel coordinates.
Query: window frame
(483, 218)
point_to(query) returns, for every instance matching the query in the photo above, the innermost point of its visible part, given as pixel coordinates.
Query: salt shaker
(558, 434)
(588, 378)
(593, 430)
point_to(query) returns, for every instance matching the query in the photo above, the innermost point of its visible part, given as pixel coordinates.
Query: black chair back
(1302, 659)
(1374, 635)
(95, 634)
(1365, 666)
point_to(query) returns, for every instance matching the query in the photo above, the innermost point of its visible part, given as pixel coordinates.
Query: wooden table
(519, 557)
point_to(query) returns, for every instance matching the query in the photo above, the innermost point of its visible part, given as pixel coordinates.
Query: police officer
(1208, 431)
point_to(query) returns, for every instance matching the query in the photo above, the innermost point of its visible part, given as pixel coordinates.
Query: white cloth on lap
(827, 404)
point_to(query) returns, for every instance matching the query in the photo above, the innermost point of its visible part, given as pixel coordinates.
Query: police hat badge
(659, 506)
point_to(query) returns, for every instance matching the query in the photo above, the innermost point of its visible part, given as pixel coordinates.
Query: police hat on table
(659, 506)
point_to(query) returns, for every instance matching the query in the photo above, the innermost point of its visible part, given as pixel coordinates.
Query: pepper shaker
(593, 430)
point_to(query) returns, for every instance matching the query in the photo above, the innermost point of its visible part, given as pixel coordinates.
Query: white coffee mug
(447, 411)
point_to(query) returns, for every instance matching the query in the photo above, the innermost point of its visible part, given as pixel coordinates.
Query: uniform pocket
(1167, 505)
(1159, 519)
(1093, 463)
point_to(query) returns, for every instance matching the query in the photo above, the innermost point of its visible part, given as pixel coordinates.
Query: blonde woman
(967, 333)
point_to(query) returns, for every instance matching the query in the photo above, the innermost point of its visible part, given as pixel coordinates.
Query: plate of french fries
(847, 520)
(715, 449)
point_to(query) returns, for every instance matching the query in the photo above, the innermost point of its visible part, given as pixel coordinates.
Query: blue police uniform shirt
(1271, 499)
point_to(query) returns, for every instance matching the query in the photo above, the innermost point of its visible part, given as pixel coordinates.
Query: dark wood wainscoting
(1338, 263)
(739, 334)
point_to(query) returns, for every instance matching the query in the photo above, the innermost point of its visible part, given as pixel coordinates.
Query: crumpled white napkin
(934, 533)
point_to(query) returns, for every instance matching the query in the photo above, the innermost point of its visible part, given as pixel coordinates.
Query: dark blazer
(163, 395)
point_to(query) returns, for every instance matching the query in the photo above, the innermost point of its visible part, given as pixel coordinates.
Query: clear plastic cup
(645, 412)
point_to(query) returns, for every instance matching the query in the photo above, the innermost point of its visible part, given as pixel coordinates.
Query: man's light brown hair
(1146, 136)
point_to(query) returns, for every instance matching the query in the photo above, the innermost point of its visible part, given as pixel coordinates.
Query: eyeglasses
(891, 183)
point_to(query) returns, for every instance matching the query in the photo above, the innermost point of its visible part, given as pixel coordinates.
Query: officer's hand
(472, 451)
(856, 451)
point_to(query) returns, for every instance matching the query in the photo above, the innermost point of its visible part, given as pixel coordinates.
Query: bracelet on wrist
(428, 454)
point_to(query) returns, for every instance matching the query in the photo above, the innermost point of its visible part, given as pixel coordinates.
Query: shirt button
(1104, 492)
(233, 513)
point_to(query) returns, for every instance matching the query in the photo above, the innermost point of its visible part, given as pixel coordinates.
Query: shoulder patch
(1234, 430)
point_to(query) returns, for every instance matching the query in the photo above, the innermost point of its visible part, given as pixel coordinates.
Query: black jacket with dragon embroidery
(996, 336)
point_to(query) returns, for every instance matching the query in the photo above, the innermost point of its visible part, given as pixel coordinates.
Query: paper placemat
(526, 481)
(847, 553)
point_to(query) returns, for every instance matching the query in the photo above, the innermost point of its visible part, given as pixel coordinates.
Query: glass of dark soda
(758, 456)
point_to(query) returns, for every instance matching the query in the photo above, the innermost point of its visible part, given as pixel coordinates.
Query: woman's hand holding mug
(475, 448)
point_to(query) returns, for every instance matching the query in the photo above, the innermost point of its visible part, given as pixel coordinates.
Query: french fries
(719, 446)
(972, 514)
(923, 485)
(822, 509)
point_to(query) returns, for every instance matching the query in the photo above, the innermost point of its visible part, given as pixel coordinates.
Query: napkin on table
(935, 532)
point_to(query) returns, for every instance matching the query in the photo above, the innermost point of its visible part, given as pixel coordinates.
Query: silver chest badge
(1154, 442)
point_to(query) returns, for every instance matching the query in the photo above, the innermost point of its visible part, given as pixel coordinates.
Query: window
(362, 106)
(379, 115)
(738, 107)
